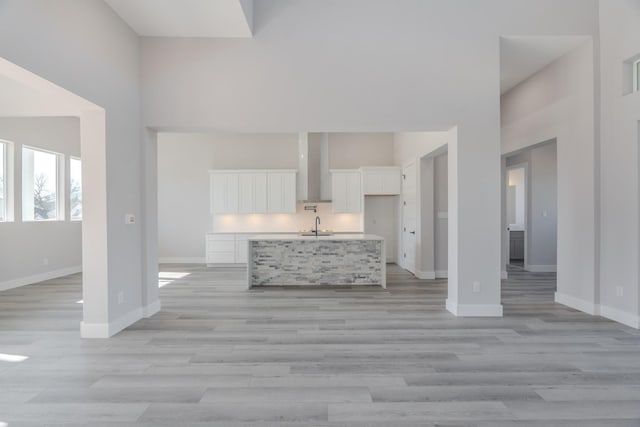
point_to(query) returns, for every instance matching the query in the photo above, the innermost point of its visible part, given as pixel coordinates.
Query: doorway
(530, 206)
(516, 216)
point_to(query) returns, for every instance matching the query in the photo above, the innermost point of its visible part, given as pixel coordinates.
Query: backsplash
(301, 220)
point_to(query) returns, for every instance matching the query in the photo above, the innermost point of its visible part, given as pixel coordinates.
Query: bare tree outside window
(75, 188)
(44, 201)
(39, 185)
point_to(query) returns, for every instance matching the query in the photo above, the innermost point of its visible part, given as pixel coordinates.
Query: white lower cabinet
(226, 248)
(242, 246)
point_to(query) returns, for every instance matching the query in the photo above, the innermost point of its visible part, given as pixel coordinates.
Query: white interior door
(409, 219)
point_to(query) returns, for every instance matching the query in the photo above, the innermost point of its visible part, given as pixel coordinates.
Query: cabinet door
(391, 182)
(242, 247)
(354, 192)
(346, 192)
(252, 193)
(224, 193)
(382, 182)
(281, 192)
(221, 248)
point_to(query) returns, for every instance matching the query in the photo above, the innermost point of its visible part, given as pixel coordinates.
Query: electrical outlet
(45, 261)
(120, 297)
(129, 219)
(619, 291)
(476, 287)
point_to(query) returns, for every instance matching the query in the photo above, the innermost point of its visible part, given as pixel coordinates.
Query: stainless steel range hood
(314, 180)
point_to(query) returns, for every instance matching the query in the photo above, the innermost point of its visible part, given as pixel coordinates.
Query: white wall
(619, 221)
(87, 49)
(542, 211)
(441, 202)
(25, 246)
(558, 102)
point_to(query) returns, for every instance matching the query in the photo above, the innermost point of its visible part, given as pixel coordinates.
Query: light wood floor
(219, 355)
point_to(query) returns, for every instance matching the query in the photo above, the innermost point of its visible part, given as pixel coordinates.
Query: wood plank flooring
(220, 355)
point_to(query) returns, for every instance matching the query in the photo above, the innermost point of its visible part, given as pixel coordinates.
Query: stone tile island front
(294, 260)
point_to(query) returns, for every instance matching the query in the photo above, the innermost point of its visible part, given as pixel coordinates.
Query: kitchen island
(295, 260)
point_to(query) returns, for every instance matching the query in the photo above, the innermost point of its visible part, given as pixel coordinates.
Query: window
(3, 181)
(40, 191)
(75, 189)
(636, 76)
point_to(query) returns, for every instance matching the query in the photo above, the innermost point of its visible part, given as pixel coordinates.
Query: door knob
(412, 232)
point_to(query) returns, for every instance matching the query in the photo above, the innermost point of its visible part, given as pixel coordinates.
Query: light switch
(129, 219)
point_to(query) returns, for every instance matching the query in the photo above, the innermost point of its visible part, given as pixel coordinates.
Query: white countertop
(334, 237)
(275, 233)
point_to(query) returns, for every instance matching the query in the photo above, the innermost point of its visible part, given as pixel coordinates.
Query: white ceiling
(187, 18)
(522, 57)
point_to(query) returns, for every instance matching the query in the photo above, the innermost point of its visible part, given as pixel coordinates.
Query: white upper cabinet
(379, 181)
(346, 191)
(224, 192)
(281, 192)
(252, 192)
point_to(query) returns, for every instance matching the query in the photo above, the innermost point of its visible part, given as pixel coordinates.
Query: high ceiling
(522, 57)
(187, 18)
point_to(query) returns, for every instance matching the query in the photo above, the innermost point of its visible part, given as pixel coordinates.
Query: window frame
(60, 187)
(5, 183)
(71, 218)
(8, 175)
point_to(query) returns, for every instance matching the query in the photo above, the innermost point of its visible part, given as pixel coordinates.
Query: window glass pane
(75, 190)
(3, 196)
(39, 185)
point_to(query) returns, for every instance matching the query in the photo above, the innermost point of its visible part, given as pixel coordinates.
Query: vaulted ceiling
(187, 18)
(520, 56)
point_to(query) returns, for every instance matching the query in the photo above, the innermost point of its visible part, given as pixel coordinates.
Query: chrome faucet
(317, 223)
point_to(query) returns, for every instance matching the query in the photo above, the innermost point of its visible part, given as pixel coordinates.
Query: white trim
(106, 330)
(541, 268)
(474, 310)
(577, 303)
(620, 316)
(425, 275)
(151, 309)
(504, 274)
(442, 274)
(41, 277)
(182, 260)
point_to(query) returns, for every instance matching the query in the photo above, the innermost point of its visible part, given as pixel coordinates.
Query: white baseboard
(577, 303)
(541, 268)
(181, 260)
(620, 316)
(474, 310)
(504, 274)
(425, 275)
(106, 330)
(442, 274)
(151, 309)
(41, 277)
